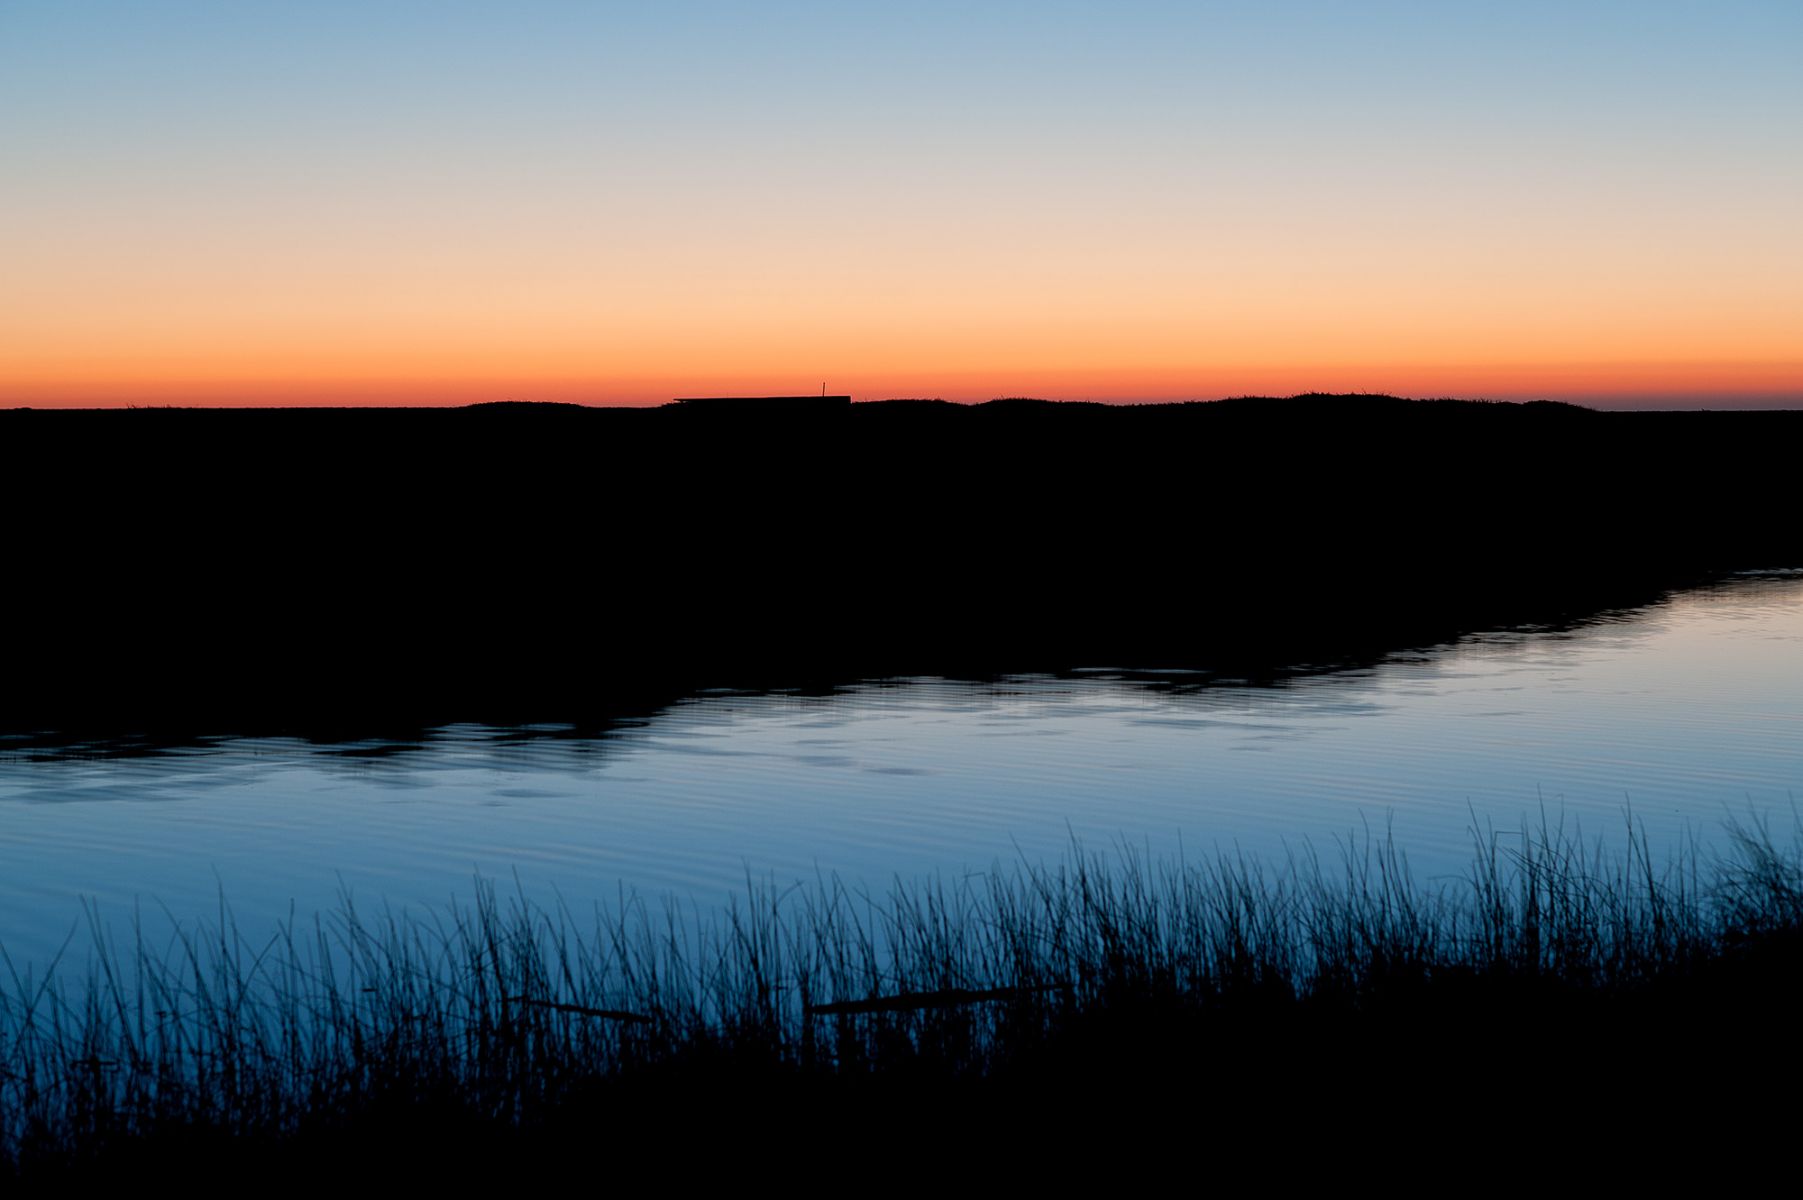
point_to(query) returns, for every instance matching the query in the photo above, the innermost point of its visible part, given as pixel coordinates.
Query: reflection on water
(1685, 711)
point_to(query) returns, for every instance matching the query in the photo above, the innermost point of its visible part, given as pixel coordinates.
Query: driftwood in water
(910, 1001)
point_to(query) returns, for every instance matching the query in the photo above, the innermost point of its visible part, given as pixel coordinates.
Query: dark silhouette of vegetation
(1104, 994)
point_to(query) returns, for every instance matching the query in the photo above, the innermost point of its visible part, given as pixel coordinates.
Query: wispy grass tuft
(515, 1016)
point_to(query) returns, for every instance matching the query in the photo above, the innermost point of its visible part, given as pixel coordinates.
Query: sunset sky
(386, 201)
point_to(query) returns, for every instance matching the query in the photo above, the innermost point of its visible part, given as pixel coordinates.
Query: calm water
(1686, 712)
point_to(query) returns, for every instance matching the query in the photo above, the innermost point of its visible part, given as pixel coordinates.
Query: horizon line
(1689, 403)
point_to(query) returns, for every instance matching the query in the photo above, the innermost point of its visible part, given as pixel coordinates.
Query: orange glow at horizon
(1730, 385)
(126, 335)
(360, 321)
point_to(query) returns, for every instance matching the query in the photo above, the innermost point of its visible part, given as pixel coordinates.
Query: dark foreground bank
(1059, 1022)
(360, 571)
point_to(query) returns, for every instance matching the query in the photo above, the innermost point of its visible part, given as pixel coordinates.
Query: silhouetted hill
(336, 566)
(517, 407)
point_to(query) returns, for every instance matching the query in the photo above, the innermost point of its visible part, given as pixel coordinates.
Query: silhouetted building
(764, 405)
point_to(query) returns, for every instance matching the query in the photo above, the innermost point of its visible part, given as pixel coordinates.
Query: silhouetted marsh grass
(514, 1020)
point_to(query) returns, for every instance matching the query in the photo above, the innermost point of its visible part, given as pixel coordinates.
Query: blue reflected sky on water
(1688, 711)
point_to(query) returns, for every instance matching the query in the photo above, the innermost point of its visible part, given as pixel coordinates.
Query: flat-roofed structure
(763, 405)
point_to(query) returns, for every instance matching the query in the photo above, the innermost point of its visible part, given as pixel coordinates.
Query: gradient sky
(438, 202)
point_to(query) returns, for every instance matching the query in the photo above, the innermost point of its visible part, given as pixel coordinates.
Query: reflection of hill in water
(1177, 698)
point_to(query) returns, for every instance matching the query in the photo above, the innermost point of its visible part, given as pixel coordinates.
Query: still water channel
(1683, 713)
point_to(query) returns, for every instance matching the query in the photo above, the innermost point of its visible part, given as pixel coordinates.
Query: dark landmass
(343, 571)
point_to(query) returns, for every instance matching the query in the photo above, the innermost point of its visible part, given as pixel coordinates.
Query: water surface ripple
(1682, 713)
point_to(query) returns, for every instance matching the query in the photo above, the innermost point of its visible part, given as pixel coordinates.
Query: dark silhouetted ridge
(212, 569)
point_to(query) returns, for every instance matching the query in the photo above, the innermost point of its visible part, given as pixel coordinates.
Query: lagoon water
(1681, 714)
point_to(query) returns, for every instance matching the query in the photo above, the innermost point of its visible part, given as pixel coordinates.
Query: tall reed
(512, 1012)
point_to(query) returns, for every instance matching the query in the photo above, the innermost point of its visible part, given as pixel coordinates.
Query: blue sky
(1055, 175)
